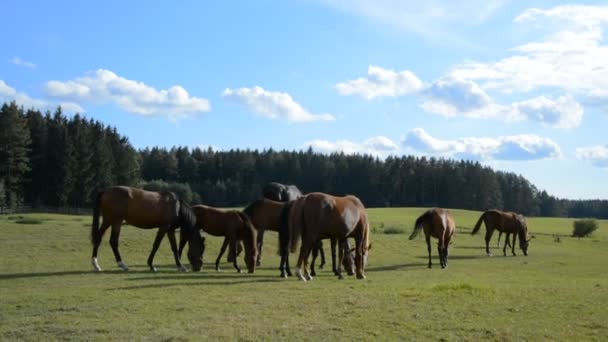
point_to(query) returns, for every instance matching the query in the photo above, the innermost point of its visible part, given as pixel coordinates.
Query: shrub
(393, 230)
(584, 227)
(29, 221)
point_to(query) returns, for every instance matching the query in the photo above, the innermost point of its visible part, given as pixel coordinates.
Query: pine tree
(14, 153)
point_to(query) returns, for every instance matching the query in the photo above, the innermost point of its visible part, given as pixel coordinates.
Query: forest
(50, 159)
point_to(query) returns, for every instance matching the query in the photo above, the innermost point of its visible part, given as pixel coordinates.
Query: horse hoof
(284, 276)
(123, 266)
(361, 276)
(238, 271)
(321, 266)
(430, 266)
(340, 276)
(489, 254)
(217, 269)
(258, 264)
(289, 274)
(313, 273)
(153, 269)
(182, 269)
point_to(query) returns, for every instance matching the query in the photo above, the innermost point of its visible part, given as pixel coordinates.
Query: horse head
(523, 235)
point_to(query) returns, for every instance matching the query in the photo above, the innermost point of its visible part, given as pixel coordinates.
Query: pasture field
(49, 292)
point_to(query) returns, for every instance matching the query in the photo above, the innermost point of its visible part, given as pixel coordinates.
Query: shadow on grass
(457, 257)
(203, 282)
(393, 267)
(56, 274)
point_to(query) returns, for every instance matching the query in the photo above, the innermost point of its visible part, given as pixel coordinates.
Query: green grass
(558, 292)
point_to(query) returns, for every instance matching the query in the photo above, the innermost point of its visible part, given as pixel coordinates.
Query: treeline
(49, 159)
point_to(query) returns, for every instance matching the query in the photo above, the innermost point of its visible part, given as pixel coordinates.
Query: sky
(520, 86)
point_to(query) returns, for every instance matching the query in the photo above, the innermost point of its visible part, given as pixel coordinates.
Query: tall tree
(14, 152)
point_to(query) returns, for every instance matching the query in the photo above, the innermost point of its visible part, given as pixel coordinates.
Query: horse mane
(186, 216)
(419, 221)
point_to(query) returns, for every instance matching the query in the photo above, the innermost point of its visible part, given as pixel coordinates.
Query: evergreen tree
(14, 153)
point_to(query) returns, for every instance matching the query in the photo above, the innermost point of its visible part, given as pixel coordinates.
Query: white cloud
(571, 57)
(104, 86)
(514, 147)
(377, 146)
(429, 19)
(18, 61)
(597, 155)
(381, 83)
(272, 104)
(564, 112)
(8, 93)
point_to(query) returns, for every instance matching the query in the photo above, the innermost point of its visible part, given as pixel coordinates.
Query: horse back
(140, 208)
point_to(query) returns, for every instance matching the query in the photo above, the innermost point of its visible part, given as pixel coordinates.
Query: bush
(584, 227)
(29, 221)
(393, 230)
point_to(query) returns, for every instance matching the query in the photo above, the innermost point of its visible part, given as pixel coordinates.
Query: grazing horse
(145, 209)
(234, 226)
(506, 222)
(438, 223)
(319, 216)
(281, 192)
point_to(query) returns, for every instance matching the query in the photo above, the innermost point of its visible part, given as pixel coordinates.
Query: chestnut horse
(145, 209)
(506, 222)
(438, 223)
(265, 215)
(319, 216)
(234, 226)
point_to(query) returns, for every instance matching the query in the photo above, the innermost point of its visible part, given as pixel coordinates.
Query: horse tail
(296, 224)
(95, 238)
(419, 224)
(284, 231)
(478, 224)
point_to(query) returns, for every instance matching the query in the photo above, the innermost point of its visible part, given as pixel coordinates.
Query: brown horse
(506, 222)
(145, 209)
(319, 216)
(438, 223)
(265, 215)
(234, 226)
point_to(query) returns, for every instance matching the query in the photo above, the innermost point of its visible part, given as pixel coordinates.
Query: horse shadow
(8, 276)
(201, 282)
(457, 257)
(393, 267)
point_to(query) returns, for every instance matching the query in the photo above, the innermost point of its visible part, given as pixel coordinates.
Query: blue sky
(519, 86)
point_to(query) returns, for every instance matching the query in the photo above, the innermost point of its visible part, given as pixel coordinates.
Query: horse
(438, 223)
(147, 210)
(317, 216)
(281, 192)
(234, 226)
(507, 222)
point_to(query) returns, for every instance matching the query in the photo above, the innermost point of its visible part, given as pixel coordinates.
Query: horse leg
(504, 248)
(359, 246)
(96, 242)
(114, 243)
(303, 254)
(307, 274)
(340, 258)
(427, 237)
(499, 235)
(315, 254)
(235, 245)
(219, 256)
(171, 236)
(159, 238)
(258, 262)
(333, 243)
(513, 245)
(489, 232)
(322, 254)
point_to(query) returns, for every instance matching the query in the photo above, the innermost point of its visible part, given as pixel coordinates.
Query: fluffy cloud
(8, 93)
(564, 112)
(597, 155)
(381, 83)
(378, 146)
(515, 147)
(21, 62)
(571, 57)
(274, 105)
(104, 86)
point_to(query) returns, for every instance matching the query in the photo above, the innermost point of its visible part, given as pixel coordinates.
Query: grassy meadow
(49, 292)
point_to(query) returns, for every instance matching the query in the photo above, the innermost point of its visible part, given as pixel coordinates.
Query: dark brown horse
(234, 226)
(506, 222)
(145, 209)
(438, 223)
(319, 216)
